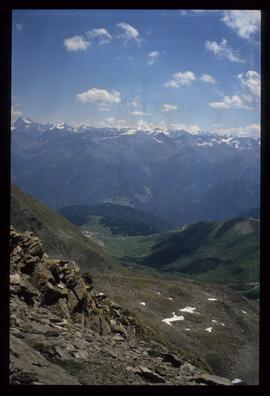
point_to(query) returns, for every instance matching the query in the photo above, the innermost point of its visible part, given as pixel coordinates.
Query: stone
(15, 279)
(118, 337)
(83, 355)
(52, 333)
(210, 379)
(80, 343)
(70, 348)
(62, 353)
(39, 328)
(51, 294)
(150, 375)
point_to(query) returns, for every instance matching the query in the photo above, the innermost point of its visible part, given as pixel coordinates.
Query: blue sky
(170, 69)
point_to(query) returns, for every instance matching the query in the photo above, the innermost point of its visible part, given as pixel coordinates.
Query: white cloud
(135, 102)
(168, 107)
(112, 122)
(251, 82)
(179, 78)
(252, 130)
(222, 50)
(249, 95)
(208, 78)
(230, 102)
(139, 113)
(19, 27)
(128, 33)
(244, 22)
(191, 128)
(100, 96)
(150, 126)
(152, 57)
(15, 114)
(101, 35)
(76, 43)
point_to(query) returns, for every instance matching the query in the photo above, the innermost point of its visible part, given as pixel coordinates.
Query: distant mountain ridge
(120, 219)
(182, 177)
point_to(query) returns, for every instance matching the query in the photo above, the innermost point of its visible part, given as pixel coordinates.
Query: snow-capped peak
(27, 121)
(62, 126)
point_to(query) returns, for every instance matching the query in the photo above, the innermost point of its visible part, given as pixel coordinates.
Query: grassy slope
(215, 252)
(60, 238)
(121, 219)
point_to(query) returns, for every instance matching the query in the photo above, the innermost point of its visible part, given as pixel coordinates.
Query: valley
(216, 252)
(210, 326)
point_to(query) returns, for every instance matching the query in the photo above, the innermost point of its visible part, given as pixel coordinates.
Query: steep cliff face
(62, 332)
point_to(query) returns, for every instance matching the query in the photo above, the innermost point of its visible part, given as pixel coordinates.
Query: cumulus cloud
(152, 57)
(166, 108)
(150, 126)
(99, 96)
(139, 113)
(101, 35)
(76, 43)
(252, 130)
(248, 96)
(180, 78)
(222, 50)
(208, 78)
(230, 102)
(244, 22)
(251, 82)
(191, 128)
(112, 122)
(128, 33)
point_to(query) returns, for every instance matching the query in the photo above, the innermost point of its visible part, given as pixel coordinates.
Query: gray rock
(150, 375)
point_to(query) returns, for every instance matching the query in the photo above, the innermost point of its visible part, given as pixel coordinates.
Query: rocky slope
(61, 239)
(62, 332)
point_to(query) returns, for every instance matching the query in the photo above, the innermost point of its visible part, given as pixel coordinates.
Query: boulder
(52, 294)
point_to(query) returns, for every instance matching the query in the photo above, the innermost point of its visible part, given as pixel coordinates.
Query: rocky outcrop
(62, 332)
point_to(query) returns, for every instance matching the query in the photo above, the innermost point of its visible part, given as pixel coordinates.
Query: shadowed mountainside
(60, 237)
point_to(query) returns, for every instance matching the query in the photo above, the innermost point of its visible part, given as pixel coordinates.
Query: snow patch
(244, 312)
(209, 329)
(170, 298)
(174, 318)
(236, 381)
(187, 329)
(143, 303)
(212, 299)
(188, 309)
(27, 121)
(222, 324)
(158, 292)
(101, 294)
(214, 321)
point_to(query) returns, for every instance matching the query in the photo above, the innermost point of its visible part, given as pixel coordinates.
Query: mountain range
(182, 177)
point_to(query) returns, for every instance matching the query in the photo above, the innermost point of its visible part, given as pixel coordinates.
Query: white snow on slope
(174, 318)
(209, 329)
(236, 381)
(212, 299)
(188, 309)
(142, 303)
